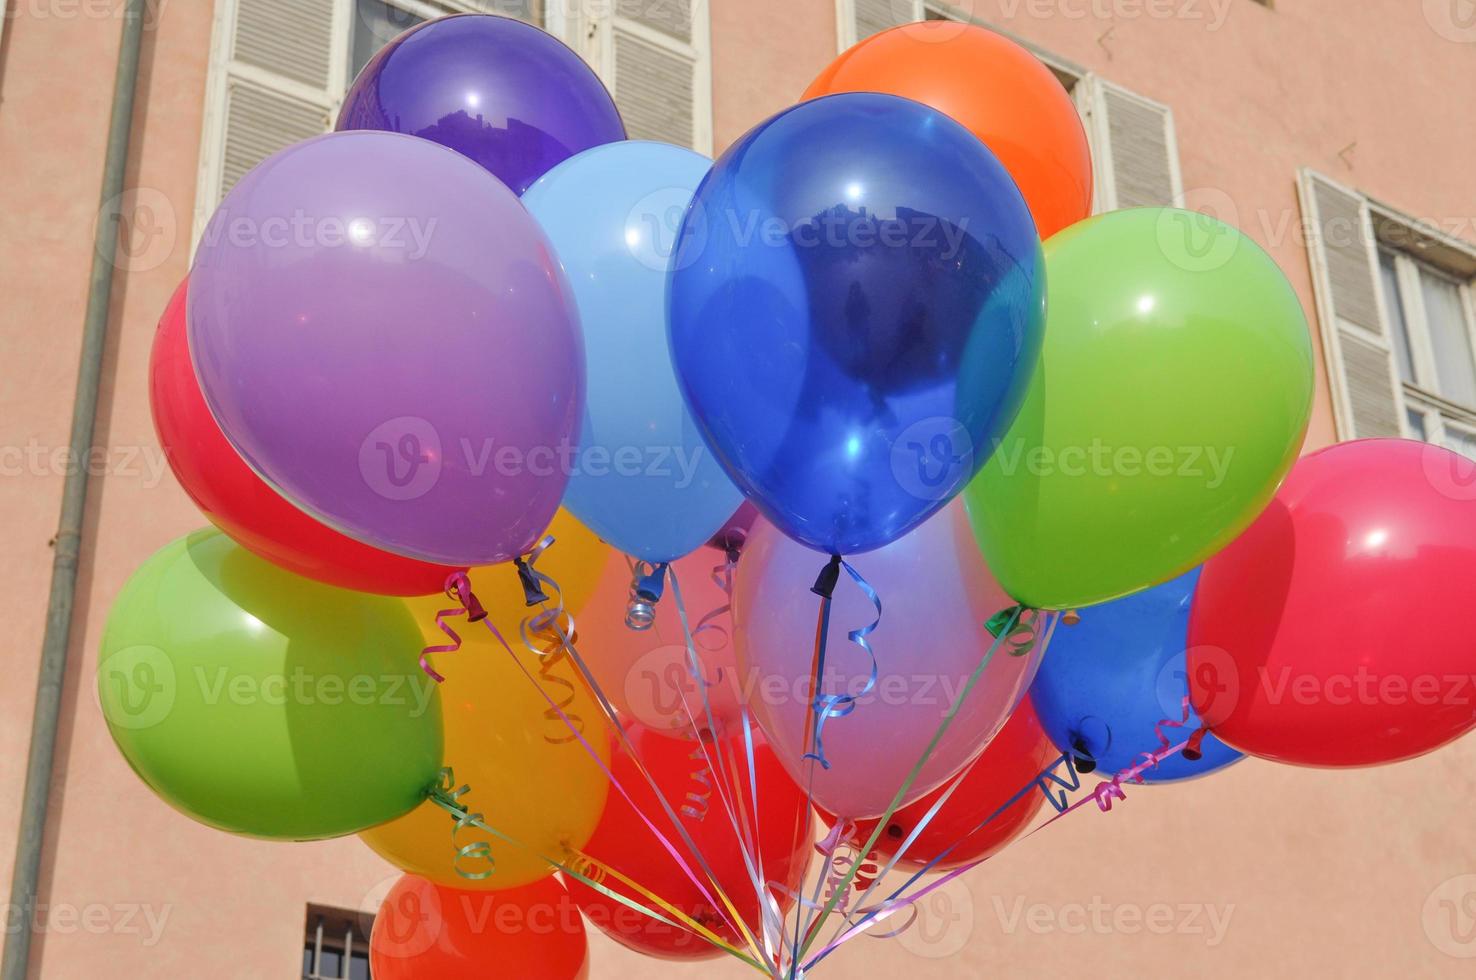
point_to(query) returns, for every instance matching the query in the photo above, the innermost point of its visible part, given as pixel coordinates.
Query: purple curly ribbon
(458, 587)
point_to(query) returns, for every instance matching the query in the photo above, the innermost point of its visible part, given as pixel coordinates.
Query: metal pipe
(68, 544)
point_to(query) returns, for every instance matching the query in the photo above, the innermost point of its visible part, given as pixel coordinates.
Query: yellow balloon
(531, 778)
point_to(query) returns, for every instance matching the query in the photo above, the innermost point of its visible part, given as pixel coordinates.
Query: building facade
(1336, 134)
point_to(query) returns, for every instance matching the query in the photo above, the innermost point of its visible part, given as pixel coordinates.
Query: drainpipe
(68, 543)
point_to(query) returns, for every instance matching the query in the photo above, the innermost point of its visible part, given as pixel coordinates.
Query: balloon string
(828, 706)
(536, 577)
(577, 865)
(1103, 795)
(539, 636)
(458, 587)
(953, 710)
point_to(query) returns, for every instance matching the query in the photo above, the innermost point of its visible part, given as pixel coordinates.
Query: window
(1135, 151)
(265, 94)
(336, 944)
(1394, 301)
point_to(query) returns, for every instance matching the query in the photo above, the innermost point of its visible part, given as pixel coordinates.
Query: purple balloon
(500, 91)
(383, 333)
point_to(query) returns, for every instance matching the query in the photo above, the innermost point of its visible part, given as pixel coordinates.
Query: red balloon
(426, 932)
(1332, 632)
(240, 503)
(1016, 756)
(623, 842)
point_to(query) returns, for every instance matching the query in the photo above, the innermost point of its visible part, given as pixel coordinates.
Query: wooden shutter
(275, 78)
(859, 19)
(654, 56)
(1367, 395)
(1133, 144)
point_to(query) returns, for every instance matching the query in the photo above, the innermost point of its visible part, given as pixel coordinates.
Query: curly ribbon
(458, 587)
(554, 624)
(447, 796)
(700, 798)
(1103, 796)
(1003, 630)
(541, 633)
(828, 706)
(579, 866)
(722, 577)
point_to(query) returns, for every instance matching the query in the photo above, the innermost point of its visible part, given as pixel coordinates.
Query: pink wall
(1319, 873)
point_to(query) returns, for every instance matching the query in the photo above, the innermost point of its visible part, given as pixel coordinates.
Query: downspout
(68, 543)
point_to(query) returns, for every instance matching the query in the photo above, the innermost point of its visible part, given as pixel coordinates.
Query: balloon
(736, 529)
(504, 93)
(937, 594)
(1011, 761)
(1331, 633)
(383, 333)
(647, 674)
(998, 90)
(427, 932)
(240, 504)
(856, 305)
(625, 843)
(1111, 678)
(643, 480)
(1171, 398)
(237, 692)
(530, 776)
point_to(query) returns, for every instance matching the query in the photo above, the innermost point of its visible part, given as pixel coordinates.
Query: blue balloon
(857, 304)
(1107, 682)
(643, 479)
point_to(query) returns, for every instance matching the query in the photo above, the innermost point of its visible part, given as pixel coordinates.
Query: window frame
(1419, 248)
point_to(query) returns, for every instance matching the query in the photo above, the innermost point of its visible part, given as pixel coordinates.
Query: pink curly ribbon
(458, 587)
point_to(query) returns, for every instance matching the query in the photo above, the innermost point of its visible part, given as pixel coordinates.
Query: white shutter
(1368, 398)
(1133, 145)
(859, 19)
(276, 75)
(655, 56)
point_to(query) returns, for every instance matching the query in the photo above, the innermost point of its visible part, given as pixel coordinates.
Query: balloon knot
(458, 587)
(533, 594)
(1082, 756)
(825, 583)
(1193, 750)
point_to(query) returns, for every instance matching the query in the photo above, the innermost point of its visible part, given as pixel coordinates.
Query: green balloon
(1171, 397)
(265, 704)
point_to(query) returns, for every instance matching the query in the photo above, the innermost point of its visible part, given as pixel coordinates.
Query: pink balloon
(936, 594)
(646, 674)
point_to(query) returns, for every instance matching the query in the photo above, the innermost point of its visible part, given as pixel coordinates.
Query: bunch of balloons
(586, 507)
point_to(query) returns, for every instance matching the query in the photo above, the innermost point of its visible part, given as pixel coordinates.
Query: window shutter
(1367, 396)
(654, 55)
(1134, 145)
(275, 79)
(862, 18)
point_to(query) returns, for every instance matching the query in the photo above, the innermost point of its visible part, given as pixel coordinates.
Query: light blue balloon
(1107, 682)
(643, 478)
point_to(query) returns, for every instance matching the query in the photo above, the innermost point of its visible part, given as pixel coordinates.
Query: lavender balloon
(936, 595)
(383, 333)
(500, 91)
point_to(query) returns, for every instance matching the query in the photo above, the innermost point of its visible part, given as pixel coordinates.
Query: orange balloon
(426, 932)
(1001, 92)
